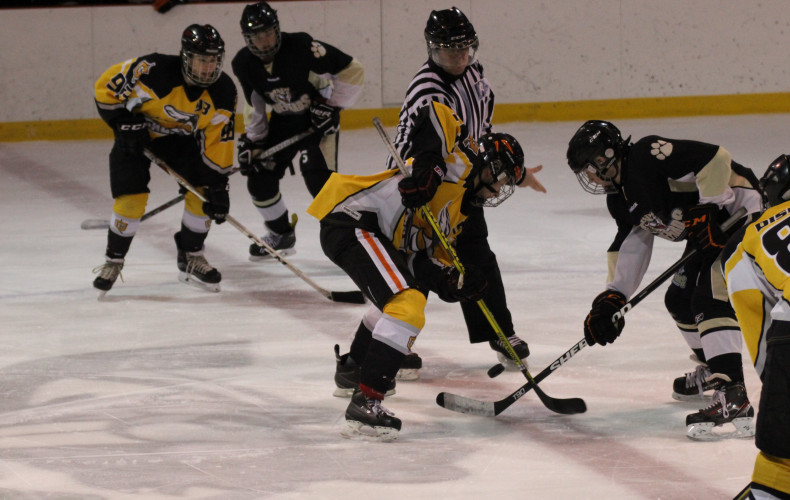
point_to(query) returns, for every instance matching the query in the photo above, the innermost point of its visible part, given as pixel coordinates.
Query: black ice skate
(693, 385)
(347, 373)
(196, 271)
(366, 417)
(730, 405)
(410, 368)
(108, 273)
(284, 243)
(521, 348)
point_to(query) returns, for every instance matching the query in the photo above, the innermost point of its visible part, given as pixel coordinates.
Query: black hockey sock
(280, 225)
(380, 367)
(190, 241)
(360, 344)
(117, 246)
(700, 354)
(728, 364)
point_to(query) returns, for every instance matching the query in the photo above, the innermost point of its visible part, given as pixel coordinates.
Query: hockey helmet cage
(260, 28)
(500, 159)
(595, 147)
(775, 182)
(202, 53)
(450, 29)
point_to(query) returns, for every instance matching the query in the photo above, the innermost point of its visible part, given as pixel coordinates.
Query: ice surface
(162, 391)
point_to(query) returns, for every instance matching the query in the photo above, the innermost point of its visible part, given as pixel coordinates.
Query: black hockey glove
(475, 284)
(325, 118)
(417, 190)
(131, 134)
(247, 163)
(598, 326)
(702, 228)
(218, 202)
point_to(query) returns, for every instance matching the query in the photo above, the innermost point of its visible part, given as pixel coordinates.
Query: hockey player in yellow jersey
(392, 254)
(182, 109)
(757, 269)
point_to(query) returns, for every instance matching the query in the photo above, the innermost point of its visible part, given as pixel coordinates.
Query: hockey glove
(131, 134)
(598, 326)
(417, 190)
(475, 284)
(248, 165)
(325, 118)
(218, 202)
(702, 228)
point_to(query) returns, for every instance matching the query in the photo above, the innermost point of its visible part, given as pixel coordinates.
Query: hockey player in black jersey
(454, 77)
(678, 190)
(305, 83)
(182, 109)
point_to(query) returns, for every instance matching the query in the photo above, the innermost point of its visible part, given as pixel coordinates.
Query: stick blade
(95, 224)
(570, 406)
(354, 297)
(460, 404)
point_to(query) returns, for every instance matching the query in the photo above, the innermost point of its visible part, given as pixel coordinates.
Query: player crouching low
(182, 109)
(389, 251)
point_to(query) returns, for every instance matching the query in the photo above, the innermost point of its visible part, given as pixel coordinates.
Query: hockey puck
(496, 370)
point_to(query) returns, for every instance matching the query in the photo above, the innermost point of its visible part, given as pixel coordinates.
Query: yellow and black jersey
(758, 278)
(152, 85)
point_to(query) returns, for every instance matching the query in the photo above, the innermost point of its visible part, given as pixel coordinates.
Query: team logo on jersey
(187, 122)
(318, 50)
(482, 88)
(661, 149)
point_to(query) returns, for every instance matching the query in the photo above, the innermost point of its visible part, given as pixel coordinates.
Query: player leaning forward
(678, 190)
(182, 109)
(392, 255)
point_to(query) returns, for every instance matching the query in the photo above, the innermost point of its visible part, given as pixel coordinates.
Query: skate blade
(692, 398)
(101, 295)
(344, 392)
(359, 431)
(509, 363)
(269, 257)
(742, 428)
(408, 374)
(191, 280)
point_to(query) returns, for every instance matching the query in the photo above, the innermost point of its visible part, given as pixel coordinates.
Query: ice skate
(347, 373)
(693, 385)
(521, 348)
(283, 243)
(730, 406)
(367, 418)
(195, 270)
(108, 273)
(410, 368)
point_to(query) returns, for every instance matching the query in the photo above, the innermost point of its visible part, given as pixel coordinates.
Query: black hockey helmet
(450, 29)
(775, 182)
(499, 169)
(202, 53)
(593, 150)
(261, 30)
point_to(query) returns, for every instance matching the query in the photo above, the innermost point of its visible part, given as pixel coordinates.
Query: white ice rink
(163, 391)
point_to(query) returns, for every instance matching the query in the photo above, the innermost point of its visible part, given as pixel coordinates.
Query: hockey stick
(353, 297)
(565, 406)
(472, 406)
(105, 224)
(259, 154)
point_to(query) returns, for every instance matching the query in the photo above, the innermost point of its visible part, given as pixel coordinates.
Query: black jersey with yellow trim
(152, 85)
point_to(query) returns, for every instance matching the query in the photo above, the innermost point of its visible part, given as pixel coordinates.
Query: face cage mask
(505, 191)
(437, 53)
(594, 187)
(266, 54)
(194, 77)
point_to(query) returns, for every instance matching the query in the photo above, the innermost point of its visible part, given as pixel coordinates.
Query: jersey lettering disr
(303, 70)
(152, 85)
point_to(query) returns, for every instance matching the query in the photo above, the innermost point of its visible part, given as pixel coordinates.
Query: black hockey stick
(262, 154)
(565, 406)
(472, 406)
(105, 224)
(353, 297)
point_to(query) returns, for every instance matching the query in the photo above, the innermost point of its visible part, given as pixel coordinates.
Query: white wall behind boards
(533, 50)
